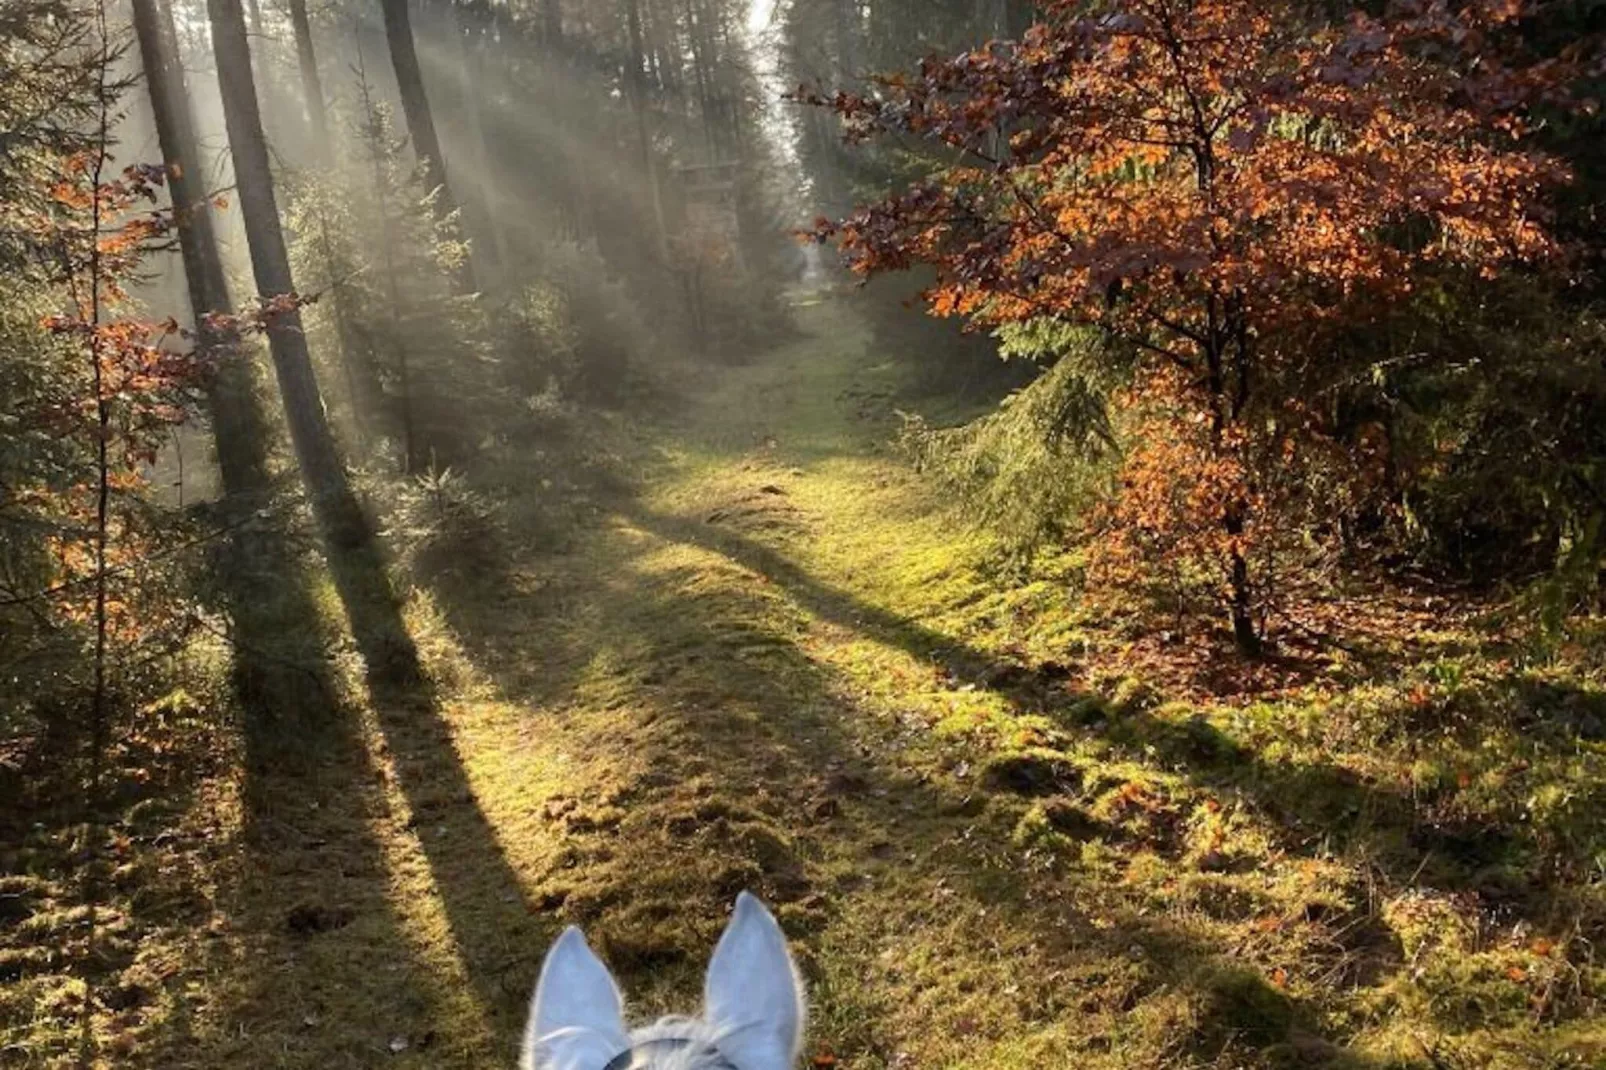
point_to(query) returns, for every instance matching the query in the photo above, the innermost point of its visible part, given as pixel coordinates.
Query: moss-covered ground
(1005, 830)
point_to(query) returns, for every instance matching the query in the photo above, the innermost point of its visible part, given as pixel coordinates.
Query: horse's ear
(752, 996)
(576, 1017)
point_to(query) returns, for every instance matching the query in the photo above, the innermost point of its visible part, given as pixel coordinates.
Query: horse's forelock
(701, 1050)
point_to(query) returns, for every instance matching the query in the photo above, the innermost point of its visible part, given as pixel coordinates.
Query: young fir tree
(415, 358)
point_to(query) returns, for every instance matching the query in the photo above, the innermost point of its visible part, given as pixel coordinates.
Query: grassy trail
(770, 664)
(710, 687)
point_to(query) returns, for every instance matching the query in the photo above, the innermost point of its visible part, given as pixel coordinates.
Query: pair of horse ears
(752, 1000)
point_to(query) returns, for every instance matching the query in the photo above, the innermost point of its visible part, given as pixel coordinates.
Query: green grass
(1001, 831)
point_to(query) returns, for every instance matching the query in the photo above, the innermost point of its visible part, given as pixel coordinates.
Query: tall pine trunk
(420, 120)
(551, 26)
(470, 27)
(267, 606)
(316, 453)
(637, 85)
(238, 425)
(311, 81)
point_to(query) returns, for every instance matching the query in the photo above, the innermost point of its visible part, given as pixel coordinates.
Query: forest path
(725, 678)
(728, 681)
(765, 660)
(724, 684)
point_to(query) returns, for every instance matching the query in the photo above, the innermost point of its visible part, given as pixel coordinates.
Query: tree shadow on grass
(726, 758)
(1319, 808)
(483, 897)
(308, 961)
(317, 962)
(91, 878)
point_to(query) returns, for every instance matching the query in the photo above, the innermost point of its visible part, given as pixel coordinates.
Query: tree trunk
(319, 460)
(1225, 411)
(666, 51)
(637, 84)
(848, 30)
(551, 26)
(311, 83)
(700, 63)
(420, 121)
(270, 97)
(267, 606)
(472, 31)
(1244, 632)
(557, 78)
(718, 109)
(238, 425)
(362, 385)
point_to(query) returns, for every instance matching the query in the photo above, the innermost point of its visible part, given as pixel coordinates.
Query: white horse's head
(752, 1008)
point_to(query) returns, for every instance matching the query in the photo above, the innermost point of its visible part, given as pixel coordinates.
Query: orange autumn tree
(132, 388)
(1221, 186)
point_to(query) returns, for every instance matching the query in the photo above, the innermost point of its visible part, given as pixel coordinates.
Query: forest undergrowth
(1006, 825)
